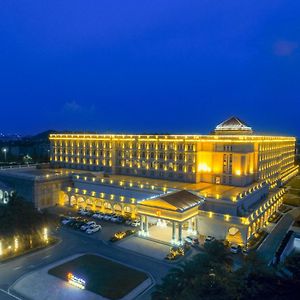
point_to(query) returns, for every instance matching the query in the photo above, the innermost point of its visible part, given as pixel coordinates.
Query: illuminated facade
(226, 184)
(226, 157)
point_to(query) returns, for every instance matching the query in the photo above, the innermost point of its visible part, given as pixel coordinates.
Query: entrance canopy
(177, 206)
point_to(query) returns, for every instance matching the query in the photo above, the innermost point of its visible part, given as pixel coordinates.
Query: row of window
(108, 145)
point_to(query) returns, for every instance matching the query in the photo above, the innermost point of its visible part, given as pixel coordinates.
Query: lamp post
(4, 150)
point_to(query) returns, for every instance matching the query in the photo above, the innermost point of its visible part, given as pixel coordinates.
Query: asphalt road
(73, 242)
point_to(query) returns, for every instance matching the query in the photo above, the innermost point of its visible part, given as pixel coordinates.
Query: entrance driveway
(145, 247)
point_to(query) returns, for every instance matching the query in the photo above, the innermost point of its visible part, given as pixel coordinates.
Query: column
(142, 225)
(190, 227)
(196, 225)
(173, 240)
(180, 233)
(146, 226)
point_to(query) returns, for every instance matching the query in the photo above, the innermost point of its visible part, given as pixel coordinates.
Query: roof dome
(233, 125)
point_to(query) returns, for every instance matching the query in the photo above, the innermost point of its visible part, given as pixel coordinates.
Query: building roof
(177, 201)
(233, 124)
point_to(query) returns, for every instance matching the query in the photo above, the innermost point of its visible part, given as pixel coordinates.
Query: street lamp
(4, 150)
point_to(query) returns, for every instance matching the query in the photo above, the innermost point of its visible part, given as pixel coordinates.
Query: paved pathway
(146, 247)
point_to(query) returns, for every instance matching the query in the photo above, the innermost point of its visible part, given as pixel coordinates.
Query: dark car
(120, 219)
(78, 224)
(72, 223)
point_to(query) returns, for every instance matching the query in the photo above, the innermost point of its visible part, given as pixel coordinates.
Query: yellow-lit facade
(237, 160)
(237, 175)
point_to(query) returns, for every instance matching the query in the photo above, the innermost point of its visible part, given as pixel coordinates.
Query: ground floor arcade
(98, 204)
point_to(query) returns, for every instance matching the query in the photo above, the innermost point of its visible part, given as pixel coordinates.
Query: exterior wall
(228, 160)
(48, 193)
(43, 193)
(275, 159)
(218, 224)
(219, 228)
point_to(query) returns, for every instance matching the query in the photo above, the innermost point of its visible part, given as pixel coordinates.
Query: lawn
(291, 199)
(104, 277)
(294, 183)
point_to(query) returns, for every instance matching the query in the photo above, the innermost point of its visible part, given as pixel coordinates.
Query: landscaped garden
(23, 229)
(102, 276)
(293, 195)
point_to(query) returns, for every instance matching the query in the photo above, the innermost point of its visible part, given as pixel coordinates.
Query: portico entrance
(169, 218)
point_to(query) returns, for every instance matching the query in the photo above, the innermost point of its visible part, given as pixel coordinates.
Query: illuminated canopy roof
(177, 201)
(233, 125)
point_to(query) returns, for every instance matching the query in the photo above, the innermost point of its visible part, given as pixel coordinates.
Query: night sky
(149, 65)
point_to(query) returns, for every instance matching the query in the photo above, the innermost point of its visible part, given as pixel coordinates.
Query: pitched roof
(177, 201)
(233, 124)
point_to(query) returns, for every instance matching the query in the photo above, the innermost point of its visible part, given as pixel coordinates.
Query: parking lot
(108, 228)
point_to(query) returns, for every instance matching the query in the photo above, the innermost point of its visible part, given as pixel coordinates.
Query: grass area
(291, 199)
(104, 277)
(294, 183)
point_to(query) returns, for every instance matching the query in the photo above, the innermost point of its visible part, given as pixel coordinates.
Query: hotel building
(226, 184)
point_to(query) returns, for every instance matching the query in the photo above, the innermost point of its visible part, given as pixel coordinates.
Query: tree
(209, 276)
(205, 276)
(19, 217)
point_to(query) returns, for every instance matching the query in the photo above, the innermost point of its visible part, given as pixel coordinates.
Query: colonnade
(177, 228)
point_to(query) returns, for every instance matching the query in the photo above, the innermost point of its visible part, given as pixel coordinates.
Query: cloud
(72, 106)
(75, 107)
(285, 48)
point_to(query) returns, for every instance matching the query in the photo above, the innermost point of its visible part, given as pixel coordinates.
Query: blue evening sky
(149, 65)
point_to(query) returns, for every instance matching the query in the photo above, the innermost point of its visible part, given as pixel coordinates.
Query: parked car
(120, 219)
(234, 248)
(135, 223)
(114, 218)
(101, 216)
(128, 222)
(245, 251)
(78, 224)
(209, 239)
(192, 240)
(120, 235)
(93, 229)
(87, 225)
(71, 223)
(67, 220)
(83, 212)
(89, 213)
(107, 217)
